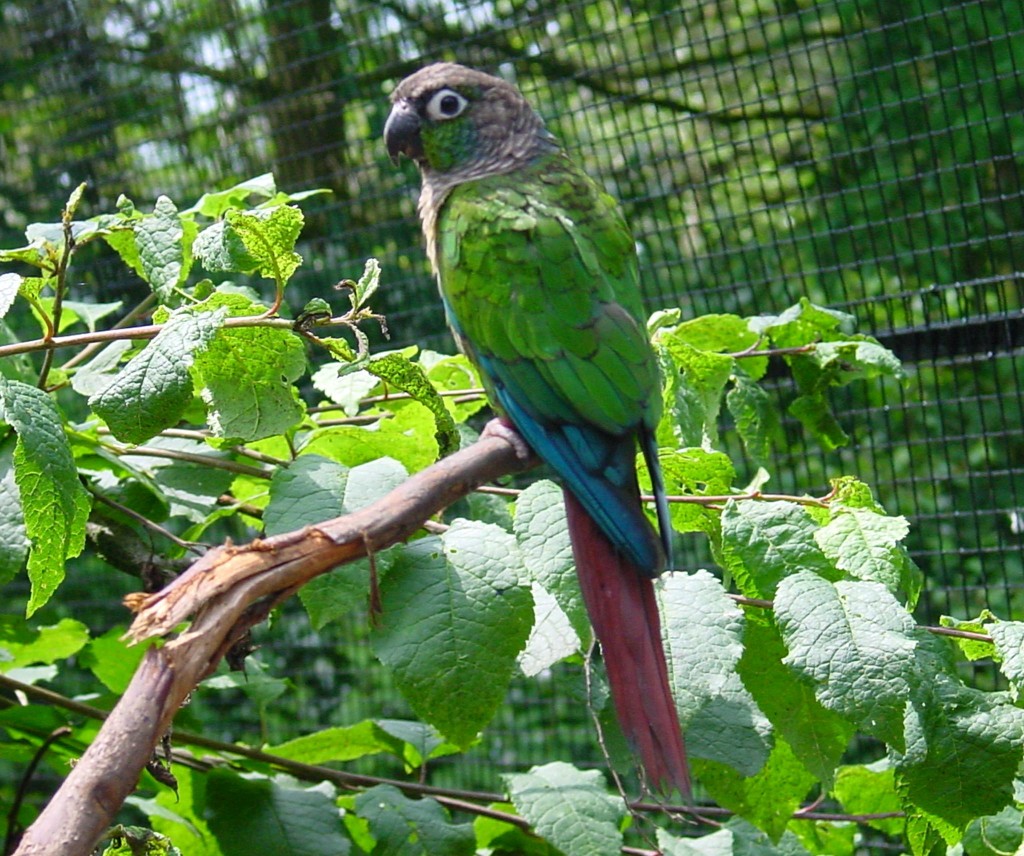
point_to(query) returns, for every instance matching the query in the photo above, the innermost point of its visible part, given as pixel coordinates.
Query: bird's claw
(501, 427)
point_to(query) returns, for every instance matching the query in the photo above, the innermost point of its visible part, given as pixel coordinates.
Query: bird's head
(459, 124)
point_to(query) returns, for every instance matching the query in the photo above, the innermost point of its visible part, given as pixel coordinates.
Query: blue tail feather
(600, 470)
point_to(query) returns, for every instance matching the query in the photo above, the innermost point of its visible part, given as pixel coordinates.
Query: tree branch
(227, 591)
(146, 331)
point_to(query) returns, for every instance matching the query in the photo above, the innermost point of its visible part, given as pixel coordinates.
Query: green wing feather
(538, 271)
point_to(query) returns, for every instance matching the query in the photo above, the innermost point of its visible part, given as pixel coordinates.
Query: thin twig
(242, 507)
(142, 520)
(710, 499)
(471, 394)
(351, 420)
(203, 436)
(759, 603)
(771, 352)
(130, 318)
(189, 457)
(146, 331)
(13, 826)
(58, 299)
(719, 499)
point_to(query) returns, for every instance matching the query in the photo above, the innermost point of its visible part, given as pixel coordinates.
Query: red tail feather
(620, 601)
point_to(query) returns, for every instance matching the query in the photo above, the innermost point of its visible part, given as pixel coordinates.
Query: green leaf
(257, 682)
(560, 618)
(407, 827)
(268, 236)
(246, 374)
(99, 372)
(765, 542)
(32, 287)
(158, 238)
(192, 490)
(338, 744)
(803, 324)
(310, 490)
(112, 660)
(498, 837)
(713, 332)
(252, 814)
(995, 835)
(37, 253)
(853, 640)
(219, 248)
(213, 205)
(769, 797)
(313, 489)
(121, 239)
(372, 481)
(694, 393)
(345, 384)
(454, 374)
(552, 639)
(91, 313)
(864, 544)
(817, 735)
(454, 617)
(928, 835)
(180, 814)
(137, 841)
(871, 789)
(14, 543)
(542, 532)
(850, 492)
(972, 649)
(693, 472)
(419, 741)
(943, 772)
(55, 506)
(826, 837)
(71, 206)
(21, 645)
(1008, 637)
(569, 807)
(331, 597)
(401, 373)
(816, 416)
(718, 843)
(367, 285)
(352, 445)
(703, 630)
(10, 283)
(755, 416)
(860, 357)
(750, 841)
(153, 390)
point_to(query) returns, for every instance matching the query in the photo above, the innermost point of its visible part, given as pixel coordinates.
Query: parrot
(539, 277)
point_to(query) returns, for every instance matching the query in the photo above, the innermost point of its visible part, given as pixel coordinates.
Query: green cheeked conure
(538, 273)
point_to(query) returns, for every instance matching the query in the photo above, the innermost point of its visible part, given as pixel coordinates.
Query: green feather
(538, 267)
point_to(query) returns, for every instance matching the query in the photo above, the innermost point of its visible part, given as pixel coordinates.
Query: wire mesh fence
(863, 153)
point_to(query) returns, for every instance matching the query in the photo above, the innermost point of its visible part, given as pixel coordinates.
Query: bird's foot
(501, 427)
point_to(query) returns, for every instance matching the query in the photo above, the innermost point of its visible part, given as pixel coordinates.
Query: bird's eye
(445, 104)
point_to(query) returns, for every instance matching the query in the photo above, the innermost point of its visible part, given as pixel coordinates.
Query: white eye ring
(445, 104)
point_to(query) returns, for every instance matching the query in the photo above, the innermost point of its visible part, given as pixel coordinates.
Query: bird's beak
(402, 132)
